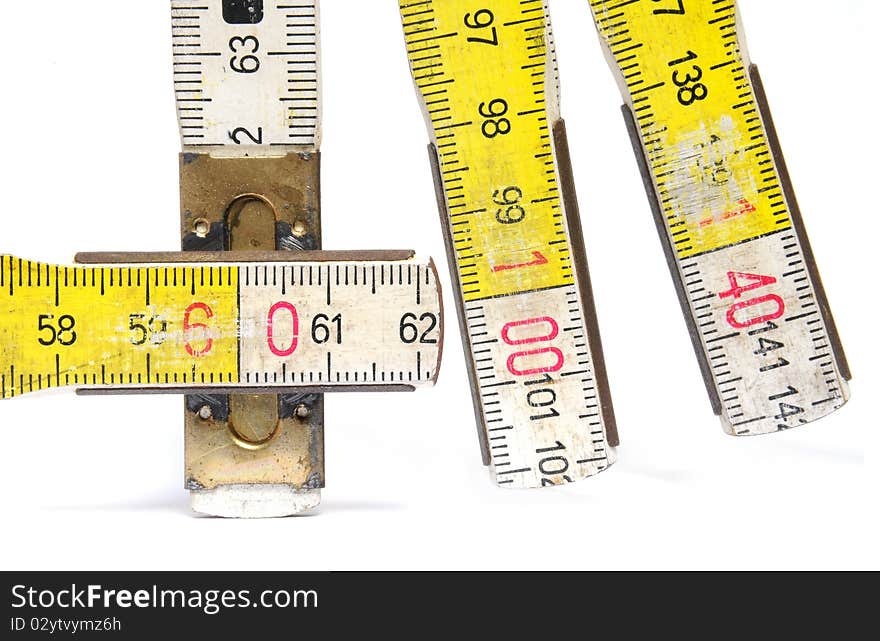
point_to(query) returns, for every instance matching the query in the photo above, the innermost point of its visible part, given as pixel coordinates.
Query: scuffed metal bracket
(252, 454)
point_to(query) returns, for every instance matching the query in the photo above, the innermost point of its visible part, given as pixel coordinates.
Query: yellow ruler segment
(506, 223)
(116, 325)
(692, 99)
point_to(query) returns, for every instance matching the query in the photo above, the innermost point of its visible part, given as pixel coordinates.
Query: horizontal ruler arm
(248, 322)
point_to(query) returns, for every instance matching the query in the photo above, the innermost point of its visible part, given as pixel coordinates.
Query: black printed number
(482, 19)
(60, 331)
(241, 131)
(409, 328)
(510, 211)
(145, 329)
(246, 46)
(690, 89)
(495, 124)
(325, 328)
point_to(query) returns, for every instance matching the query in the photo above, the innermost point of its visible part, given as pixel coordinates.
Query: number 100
(552, 357)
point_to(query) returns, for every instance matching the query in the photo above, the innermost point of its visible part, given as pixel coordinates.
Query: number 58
(60, 332)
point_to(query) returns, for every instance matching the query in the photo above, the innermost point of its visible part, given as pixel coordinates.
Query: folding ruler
(486, 75)
(251, 334)
(727, 215)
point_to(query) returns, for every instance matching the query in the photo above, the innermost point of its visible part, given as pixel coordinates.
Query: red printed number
(547, 359)
(539, 260)
(189, 327)
(270, 328)
(761, 309)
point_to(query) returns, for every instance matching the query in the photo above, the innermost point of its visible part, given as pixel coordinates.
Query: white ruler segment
(752, 368)
(517, 388)
(374, 323)
(247, 88)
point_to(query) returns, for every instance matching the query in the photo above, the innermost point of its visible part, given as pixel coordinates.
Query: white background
(90, 163)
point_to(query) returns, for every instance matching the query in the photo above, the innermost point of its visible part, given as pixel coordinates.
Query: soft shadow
(830, 455)
(657, 474)
(178, 504)
(331, 506)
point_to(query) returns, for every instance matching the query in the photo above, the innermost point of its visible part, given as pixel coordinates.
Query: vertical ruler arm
(247, 76)
(730, 225)
(488, 82)
(248, 96)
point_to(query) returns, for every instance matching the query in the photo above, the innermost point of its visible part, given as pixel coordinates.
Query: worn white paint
(278, 103)
(254, 501)
(358, 323)
(544, 428)
(752, 400)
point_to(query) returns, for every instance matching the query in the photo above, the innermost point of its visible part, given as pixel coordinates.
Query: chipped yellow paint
(79, 325)
(686, 73)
